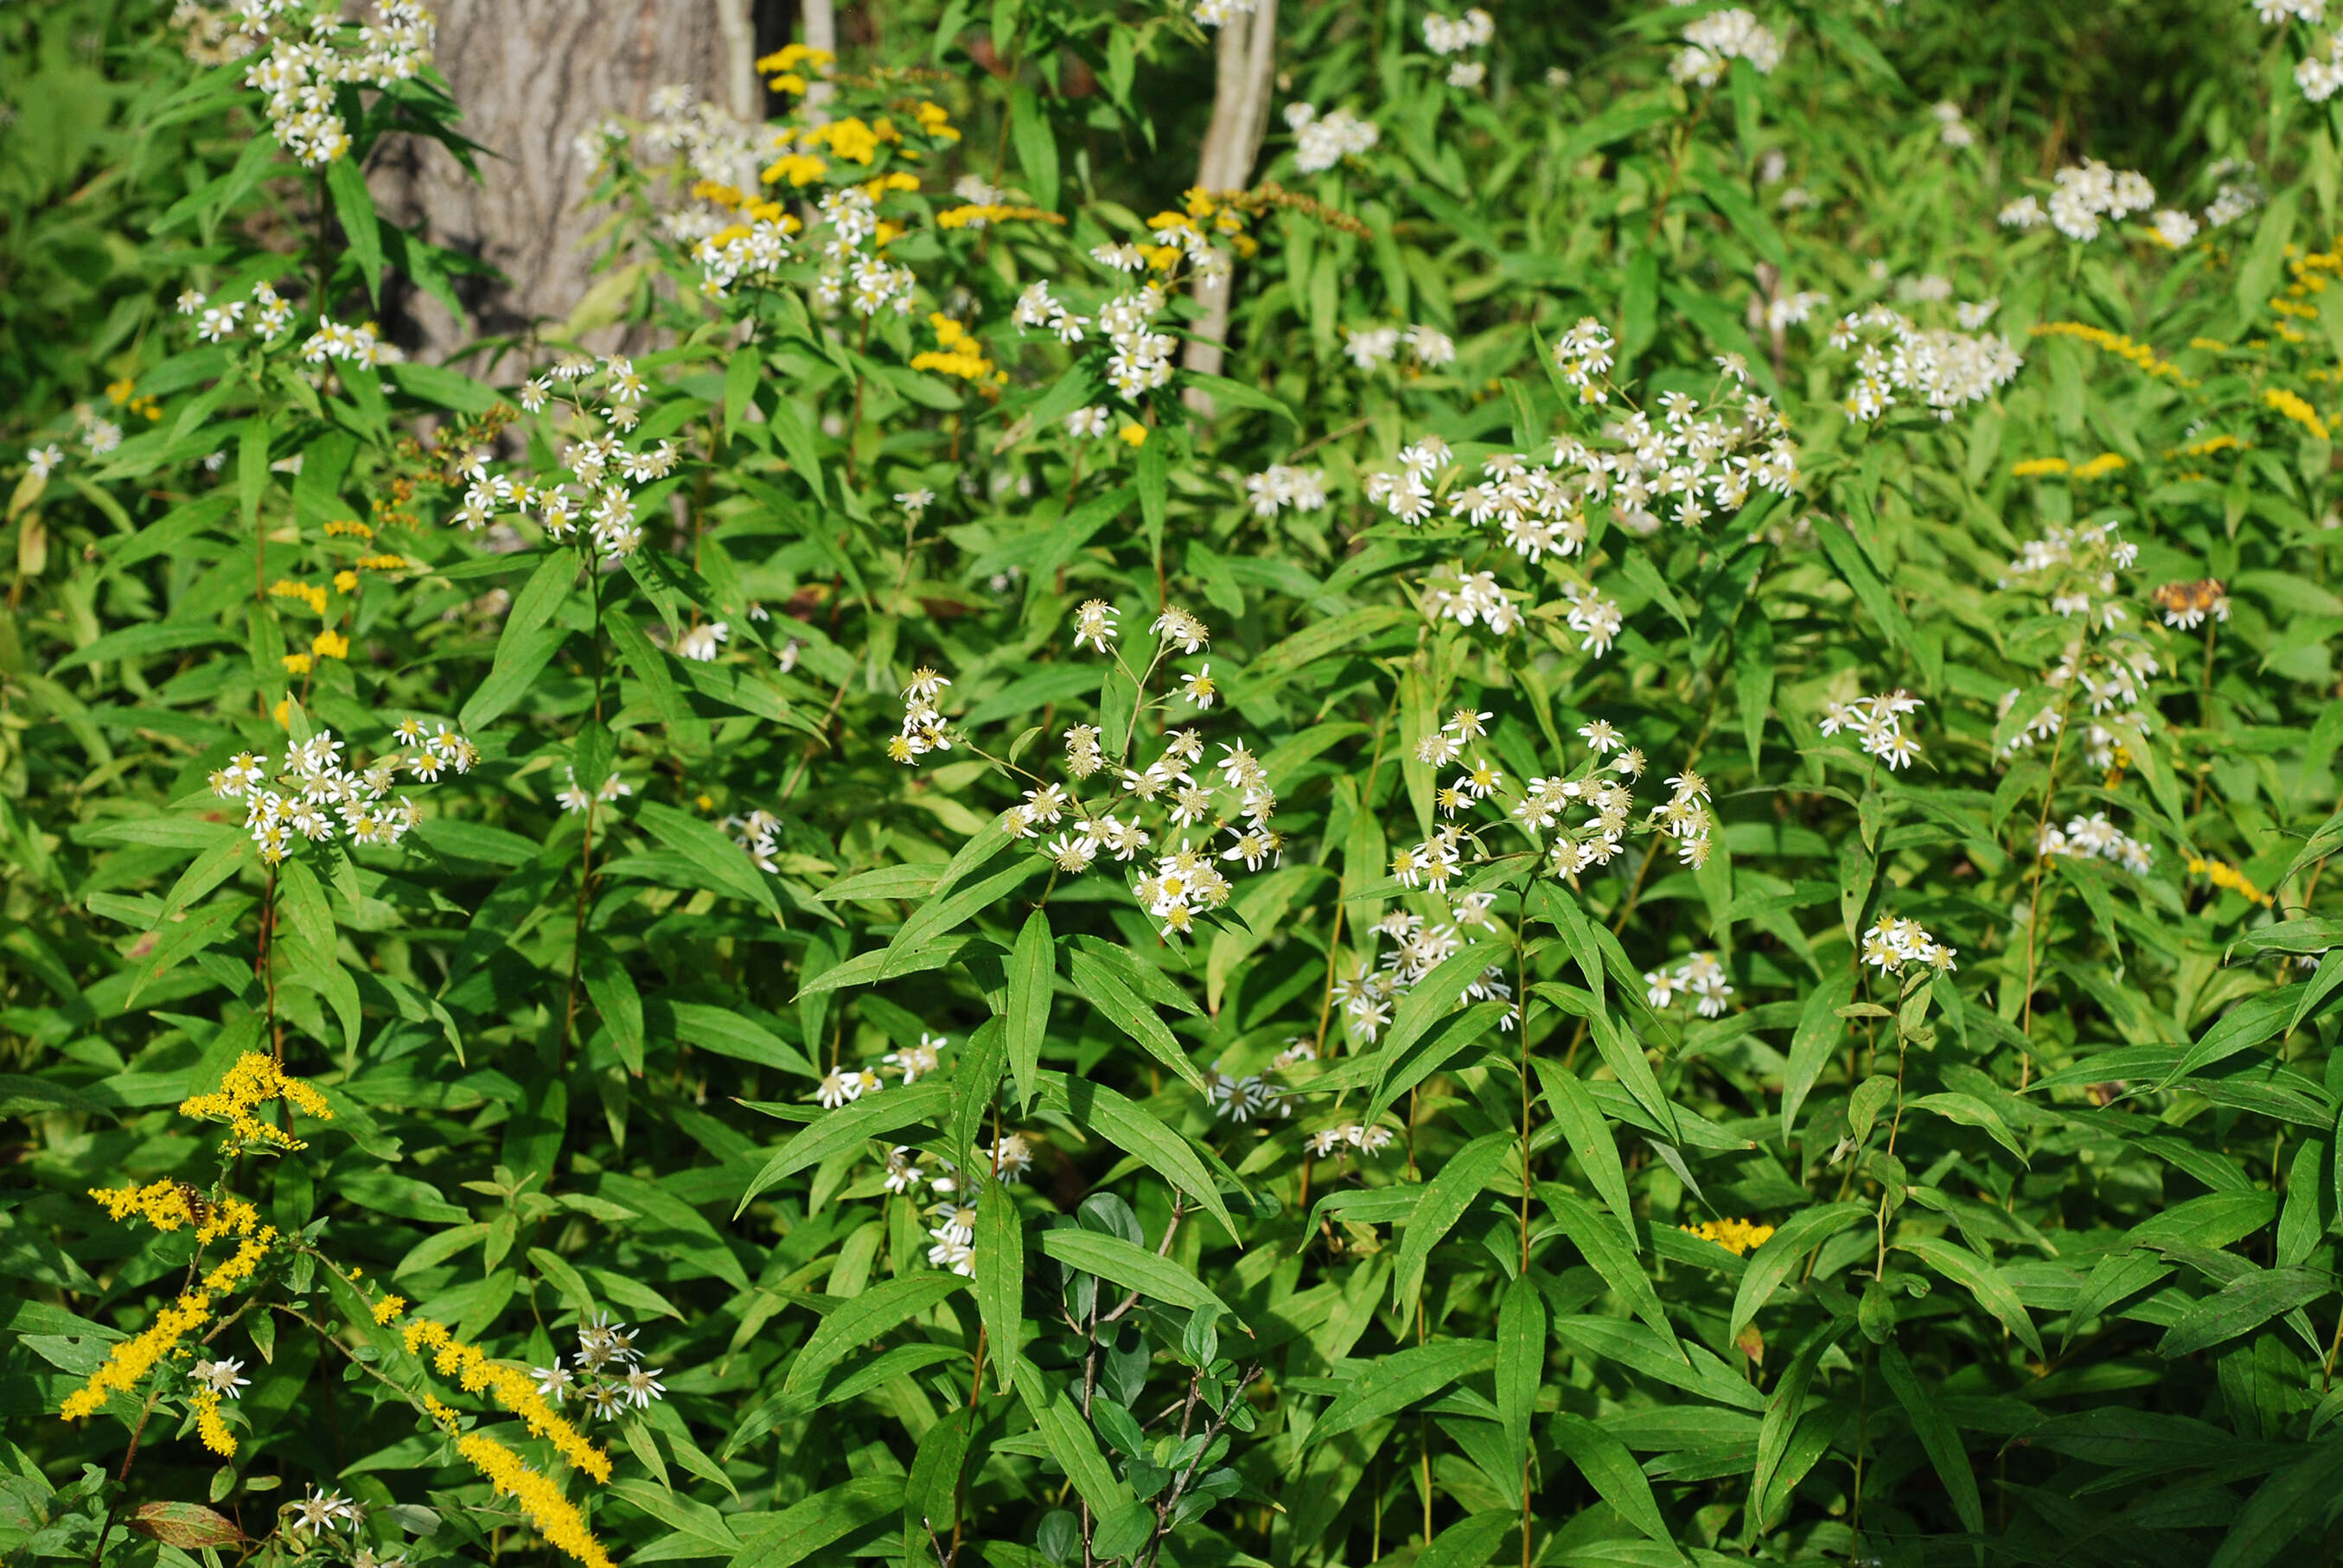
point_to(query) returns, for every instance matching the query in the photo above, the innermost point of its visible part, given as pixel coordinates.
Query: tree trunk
(531, 75)
(1245, 68)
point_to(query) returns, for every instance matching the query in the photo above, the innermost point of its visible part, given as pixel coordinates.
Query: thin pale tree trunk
(1245, 71)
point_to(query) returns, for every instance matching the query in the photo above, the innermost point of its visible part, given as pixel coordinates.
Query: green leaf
(1521, 1362)
(1398, 1380)
(784, 1538)
(1452, 1190)
(2294, 1499)
(1133, 1268)
(1587, 1134)
(720, 866)
(877, 1311)
(1037, 145)
(1106, 993)
(1817, 1036)
(1982, 1279)
(347, 183)
(1031, 979)
(1068, 1438)
(1938, 1435)
(1226, 392)
(1783, 1252)
(1609, 1248)
(873, 1116)
(1131, 1130)
(1613, 1472)
(1001, 1282)
(2242, 1306)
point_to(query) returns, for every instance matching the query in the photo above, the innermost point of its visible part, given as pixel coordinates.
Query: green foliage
(1094, 951)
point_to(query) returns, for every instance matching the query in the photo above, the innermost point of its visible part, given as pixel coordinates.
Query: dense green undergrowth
(1647, 885)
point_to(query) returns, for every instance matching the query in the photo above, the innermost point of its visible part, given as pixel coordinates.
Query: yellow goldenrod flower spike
(127, 1364)
(253, 1081)
(210, 1428)
(1133, 435)
(2291, 405)
(330, 645)
(981, 213)
(2221, 874)
(553, 1515)
(1737, 1237)
(2104, 464)
(509, 1386)
(2038, 468)
(2117, 344)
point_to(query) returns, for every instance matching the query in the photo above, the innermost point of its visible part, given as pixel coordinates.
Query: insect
(2186, 605)
(199, 1208)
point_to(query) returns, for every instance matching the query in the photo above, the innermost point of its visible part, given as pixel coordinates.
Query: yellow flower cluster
(2106, 463)
(123, 393)
(853, 138)
(330, 645)
(935, 121)
(2291, 405)
(129, 1363)
(311, 593)
(349, 526)
(783, 67)
(2209, 446)
(510, 1386)
(252, 1082)
(798, 168)
(553, 1515)
(1736, 1236)
(2221, 874)
(993, 212)
(210, 1428)
(2039, 467)
(388, 1308)
(2117, 344)
(959, 355)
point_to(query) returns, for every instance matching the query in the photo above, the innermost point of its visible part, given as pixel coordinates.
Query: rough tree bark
(530, 74)
(1245, 68)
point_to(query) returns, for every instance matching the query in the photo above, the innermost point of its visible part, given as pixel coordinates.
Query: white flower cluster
(272, 314)
(606, 1373)
(572, 797)
(2319, 78)
(754, 250)
(840, 1087)
(923, 729)
(318, 1511)
(1593, 616)
(1475, 598)
(1793, 310)
(1372, 348)
(1453, 35)
(2094, 835)
(869, 282)
(1138, 357)
(1892, 943)
(1089, 424)
(1184, 881)
(2277, 13)
(1304, 489)
(1714, 41)
(1340, 1139)
(40, 462)
(2175, 228)
(1241, 1099)
(712, 144)
(2232, 200)
(1685, 817)
(1699, 977)
(1038, 307)
(1877, 723)
(2074, 569)
(602, 466)
(1942, 369)
(1952, 129)
(305, 796)
(1419, 947)
(1319, 142)
(299, 73)
(351, 344)
(1584, 355)
(2081, 195)
(2070, 564)
(759, 834)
